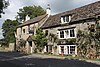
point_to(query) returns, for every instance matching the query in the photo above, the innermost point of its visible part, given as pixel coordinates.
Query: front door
(30, 46)
(62, 49)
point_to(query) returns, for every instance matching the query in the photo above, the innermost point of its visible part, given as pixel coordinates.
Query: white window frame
(69, 50)
(63, 19)
(65, 35)
(24, 31)
(60, 35)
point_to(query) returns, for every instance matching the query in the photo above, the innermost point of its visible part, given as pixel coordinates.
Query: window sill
(64, 22)
(67, 38)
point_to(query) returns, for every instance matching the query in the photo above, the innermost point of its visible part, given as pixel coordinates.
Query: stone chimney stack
(48, 11)
(27, 18)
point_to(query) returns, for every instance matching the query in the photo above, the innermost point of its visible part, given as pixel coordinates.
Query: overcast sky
(57, 6)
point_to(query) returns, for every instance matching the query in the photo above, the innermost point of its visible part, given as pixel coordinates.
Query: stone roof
(82, 13)
(34, 20)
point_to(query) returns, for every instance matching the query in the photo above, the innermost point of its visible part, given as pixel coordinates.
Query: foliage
(9, 27)
(32, 11)
(3, 42)
(40, 39)
(88, 43)
(3, 4)
(72, 40)
(22, 43)
(53, 38)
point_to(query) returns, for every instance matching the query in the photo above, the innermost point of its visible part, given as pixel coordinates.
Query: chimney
(48, 11)
(27, 18)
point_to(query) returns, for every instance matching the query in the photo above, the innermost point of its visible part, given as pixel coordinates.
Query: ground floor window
(62, 49)
(50, 48)
(67, 49)
(71, 49)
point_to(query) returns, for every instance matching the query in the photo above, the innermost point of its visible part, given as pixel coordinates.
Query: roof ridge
(36, 19)
(78, 8)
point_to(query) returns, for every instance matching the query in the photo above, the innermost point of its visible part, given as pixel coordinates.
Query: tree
(32, 11)
(53, 39)
(9, 27)
(3, 4)
(3, 42)
(40, 39)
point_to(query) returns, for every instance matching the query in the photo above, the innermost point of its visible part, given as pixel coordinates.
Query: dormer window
(65, 19)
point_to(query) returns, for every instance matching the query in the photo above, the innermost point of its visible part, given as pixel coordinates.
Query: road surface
(15, 59)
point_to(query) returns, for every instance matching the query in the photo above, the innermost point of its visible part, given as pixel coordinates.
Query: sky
(57, 6)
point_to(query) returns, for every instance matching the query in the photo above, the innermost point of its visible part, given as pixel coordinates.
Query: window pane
(46, 32)
(67, 18)
(72, 33)
(23, 30)
(61, 34)
(72, 49)
(50, 48)
(64, 19)
(68, 49)
(62, 49)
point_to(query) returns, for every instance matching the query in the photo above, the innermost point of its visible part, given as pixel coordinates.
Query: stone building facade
(26, 30)
(60, 27)
(66, 25)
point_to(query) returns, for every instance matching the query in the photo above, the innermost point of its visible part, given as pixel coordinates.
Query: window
(92, 29)
(65, 19)
(61, 34)
(30, 30)
(46, 32)
(71, 49)
(72, 34)
(23, 30)
(62, 49)
(69, 33)
(50, 48)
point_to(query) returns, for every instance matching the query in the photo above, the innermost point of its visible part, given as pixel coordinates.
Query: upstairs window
(65, 19)
(31, 30)
(23, 30)
(61, 34)
(72, 33)
(46, 32)
(67, 33)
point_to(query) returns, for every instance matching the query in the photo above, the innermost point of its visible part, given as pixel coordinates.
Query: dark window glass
(64, 19)
(23, 30)
(72, 49)
(92, 28)
(46, 32)
(62, 49)
(72, 33)
(61, 34)
(67, 18)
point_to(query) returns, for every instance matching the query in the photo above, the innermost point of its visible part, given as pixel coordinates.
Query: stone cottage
(59, 28)
(65, 26)
(27, 29)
